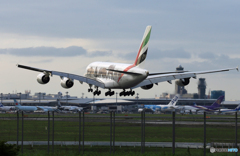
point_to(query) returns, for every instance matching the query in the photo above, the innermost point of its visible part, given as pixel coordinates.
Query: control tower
(202, 88)
(180, 89)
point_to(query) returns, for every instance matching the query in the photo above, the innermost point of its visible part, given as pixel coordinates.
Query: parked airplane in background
(34, 108)
(69, 108)
(109, 75)
(162, 108)
(6, 108)
(229, 111)
(194, 109)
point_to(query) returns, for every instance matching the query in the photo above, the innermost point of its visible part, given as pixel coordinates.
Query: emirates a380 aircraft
(109, 75)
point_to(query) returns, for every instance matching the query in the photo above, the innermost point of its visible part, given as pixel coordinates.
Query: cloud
(160, 54)
(207, 55)
(99, 53)
(53, 52)
(42, 61)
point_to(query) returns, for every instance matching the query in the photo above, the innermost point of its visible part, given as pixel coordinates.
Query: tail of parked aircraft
(174, 100)
(1, 105)
(58, 104)
(218, 102)
(16, 103)
(142, 52)
(238, 107)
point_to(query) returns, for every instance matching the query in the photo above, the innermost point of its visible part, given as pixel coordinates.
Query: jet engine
(43, 78)
(66, 83)
(147, 87)
(183, 82)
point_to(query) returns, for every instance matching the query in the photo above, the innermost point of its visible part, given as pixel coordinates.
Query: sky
(68, 35)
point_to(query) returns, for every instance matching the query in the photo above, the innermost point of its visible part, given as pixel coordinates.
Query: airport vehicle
(195, 108)
(109, 75)
(34, 108)
(162, 108)
(69, 108)
(229, 111)
(6, 108)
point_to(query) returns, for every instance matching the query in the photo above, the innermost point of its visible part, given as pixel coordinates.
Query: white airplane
(198, 108)
(229, 111)
(109, 75)
(34, 108)
(162, 108)
(69, 108)
(6, 108)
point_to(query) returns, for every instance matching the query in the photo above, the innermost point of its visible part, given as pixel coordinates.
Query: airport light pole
(137, 98)
(20, 97)
(39, 94)
(116, 98)
(67, 97)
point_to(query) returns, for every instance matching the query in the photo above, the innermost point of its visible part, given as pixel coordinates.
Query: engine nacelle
(147, 87)
(183, 82)
(43, 79)
(66, 83)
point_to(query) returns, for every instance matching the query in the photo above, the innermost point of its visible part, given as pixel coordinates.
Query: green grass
(35, 130)
(105, 151)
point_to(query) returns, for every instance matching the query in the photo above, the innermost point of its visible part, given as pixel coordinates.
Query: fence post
(22, 132)
(204, 137)
(53, 132)
(83, 135)
(144, 131)
(110, 132)
(17, 126)
(48, 129)
(236, 131)
(173, 132)
(113, 130)
(79, 143)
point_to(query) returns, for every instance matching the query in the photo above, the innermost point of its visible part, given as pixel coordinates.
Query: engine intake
(67, 83)
(43, 79)
(183, 82)
(147, 87)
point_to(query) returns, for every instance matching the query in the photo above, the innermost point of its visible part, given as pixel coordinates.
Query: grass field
(36, 130)
(105, 151)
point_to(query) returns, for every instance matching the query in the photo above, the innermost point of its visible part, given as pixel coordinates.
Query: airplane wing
(41, 109)
(154, 79)
(68, 75)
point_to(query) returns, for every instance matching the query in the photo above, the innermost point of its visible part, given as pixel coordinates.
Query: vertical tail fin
(1, 105)
(238, 107)
(174, 100)
(142, 52)
(218, 102)
(16, 103)
(58, 103)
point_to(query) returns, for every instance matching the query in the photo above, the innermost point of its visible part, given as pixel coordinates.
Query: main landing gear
(96, 92)
(127, 93)
(110, 93)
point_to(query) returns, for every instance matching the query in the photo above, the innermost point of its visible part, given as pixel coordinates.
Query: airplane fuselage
(102, 71)
(27, 108)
